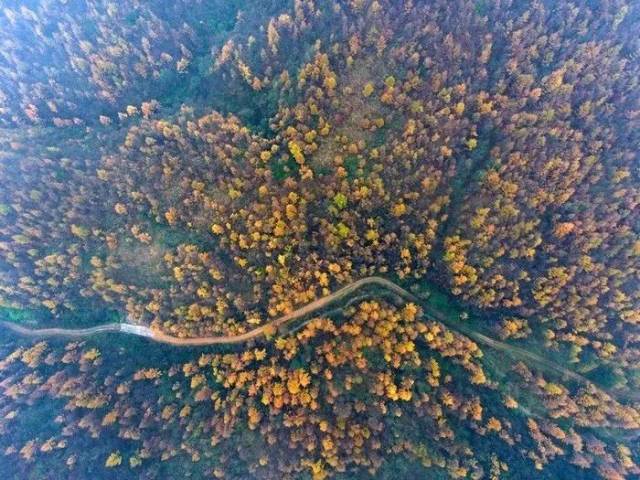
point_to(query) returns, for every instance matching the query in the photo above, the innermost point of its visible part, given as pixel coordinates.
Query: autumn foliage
(207, 177)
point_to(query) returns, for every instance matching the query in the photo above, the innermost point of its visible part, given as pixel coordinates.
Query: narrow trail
(277, 325)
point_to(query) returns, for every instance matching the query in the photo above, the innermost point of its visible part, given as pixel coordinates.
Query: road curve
(275, 324)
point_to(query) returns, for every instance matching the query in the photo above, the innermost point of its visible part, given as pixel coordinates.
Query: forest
(206, 169)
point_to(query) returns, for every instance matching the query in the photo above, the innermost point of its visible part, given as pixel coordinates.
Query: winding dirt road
(162, 337)
(277, 324)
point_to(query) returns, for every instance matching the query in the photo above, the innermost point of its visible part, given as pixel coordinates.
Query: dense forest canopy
(206, 168)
